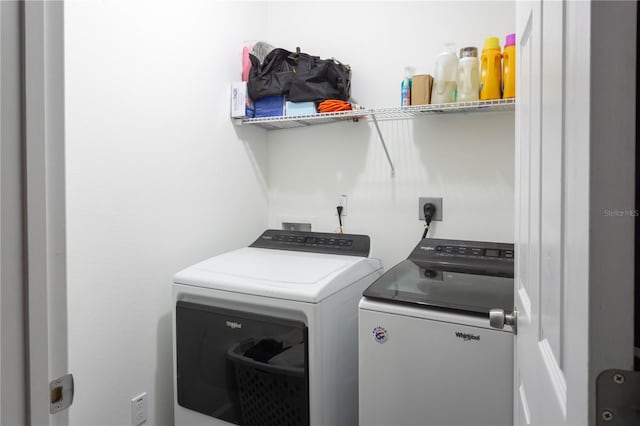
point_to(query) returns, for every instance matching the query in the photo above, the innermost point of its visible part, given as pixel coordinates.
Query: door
(33, 311)
(540, 382)
(571, 261)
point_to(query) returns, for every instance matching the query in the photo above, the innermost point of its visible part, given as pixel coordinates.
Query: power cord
(339, 208)
(429, 211)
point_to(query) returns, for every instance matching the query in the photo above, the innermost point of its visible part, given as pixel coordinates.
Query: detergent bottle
(468, 75)
(490, 69)
(444, 80)
(509, 67)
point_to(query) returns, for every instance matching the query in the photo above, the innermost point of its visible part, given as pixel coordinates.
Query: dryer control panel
(315, 242)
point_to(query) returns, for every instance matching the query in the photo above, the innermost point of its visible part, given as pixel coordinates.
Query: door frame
(577, 216)
(44, 204)
(13, 369)
(612, 136)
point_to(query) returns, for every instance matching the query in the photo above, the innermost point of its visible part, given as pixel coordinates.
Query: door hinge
(60, 393)
(618, 398)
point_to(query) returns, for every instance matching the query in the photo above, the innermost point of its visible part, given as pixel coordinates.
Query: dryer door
(241, 367)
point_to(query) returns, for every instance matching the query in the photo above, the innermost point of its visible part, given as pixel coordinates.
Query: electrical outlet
(435, 201)
(296, 226)
(342, 201)
(139, 409)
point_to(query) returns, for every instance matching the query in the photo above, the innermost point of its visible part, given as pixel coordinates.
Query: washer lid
(282, 274)
(430, 286)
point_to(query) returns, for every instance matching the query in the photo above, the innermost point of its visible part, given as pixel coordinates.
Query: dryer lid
(281, 274)
(275, 265)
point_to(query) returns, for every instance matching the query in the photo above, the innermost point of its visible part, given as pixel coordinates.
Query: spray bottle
(405, 87)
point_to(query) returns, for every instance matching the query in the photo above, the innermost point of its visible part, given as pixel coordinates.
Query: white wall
(465, 158)
(158, 178)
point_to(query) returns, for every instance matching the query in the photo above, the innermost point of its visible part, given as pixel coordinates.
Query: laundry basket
(270, 395)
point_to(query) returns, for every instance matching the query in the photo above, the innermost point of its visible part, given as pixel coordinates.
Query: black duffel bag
(298, 76)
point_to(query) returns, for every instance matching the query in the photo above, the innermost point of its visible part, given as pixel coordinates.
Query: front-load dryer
(267, 334)
(428, 355)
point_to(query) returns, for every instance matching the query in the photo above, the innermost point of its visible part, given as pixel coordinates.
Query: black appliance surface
(230, 362)
(314, 242)
(469, 277)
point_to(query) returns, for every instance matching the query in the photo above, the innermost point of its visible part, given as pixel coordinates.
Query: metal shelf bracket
(384, 145)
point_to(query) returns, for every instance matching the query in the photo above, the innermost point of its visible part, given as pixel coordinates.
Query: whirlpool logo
(233, 325)
(467, 336)
(380, 334)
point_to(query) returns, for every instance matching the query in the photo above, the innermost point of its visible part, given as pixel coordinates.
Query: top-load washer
(267, 334)
(428, 355)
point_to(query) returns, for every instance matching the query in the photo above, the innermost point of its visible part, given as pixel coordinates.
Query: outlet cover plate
(436, 201)
(342, 201)
(139, 409)
(296, 226)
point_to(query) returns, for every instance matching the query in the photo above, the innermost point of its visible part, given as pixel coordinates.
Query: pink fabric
(246, 64)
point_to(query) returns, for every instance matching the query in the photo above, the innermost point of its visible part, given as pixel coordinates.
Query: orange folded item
(333, 105)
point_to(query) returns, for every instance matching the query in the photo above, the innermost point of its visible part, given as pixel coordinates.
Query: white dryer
(428, 355)
(267, 334)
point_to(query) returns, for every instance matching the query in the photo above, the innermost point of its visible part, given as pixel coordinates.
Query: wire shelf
(454, 107)
(394, 113)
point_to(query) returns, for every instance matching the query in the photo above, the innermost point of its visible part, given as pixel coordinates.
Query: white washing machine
(427, 354)
(267, 334)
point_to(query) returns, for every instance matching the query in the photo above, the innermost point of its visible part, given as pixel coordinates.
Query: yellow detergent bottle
(490, 69)
(509, 68)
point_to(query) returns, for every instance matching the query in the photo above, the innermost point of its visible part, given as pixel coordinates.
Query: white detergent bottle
(468, 75)
(444, 81)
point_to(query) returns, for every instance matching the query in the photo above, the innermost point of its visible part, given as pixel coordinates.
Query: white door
(540, 381)
(557, 248)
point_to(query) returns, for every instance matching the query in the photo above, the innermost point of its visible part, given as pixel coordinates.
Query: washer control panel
(472, 256)
(317, 242)
(474, 251)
